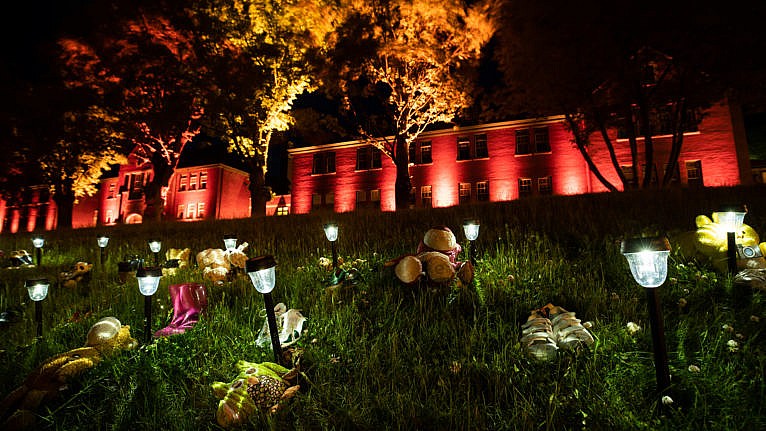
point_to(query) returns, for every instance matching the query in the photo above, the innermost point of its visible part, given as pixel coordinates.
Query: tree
(145, 66)
(644, 68)
(404, 65)
(260, 57)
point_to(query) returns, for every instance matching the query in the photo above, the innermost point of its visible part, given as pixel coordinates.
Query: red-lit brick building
(506, 161)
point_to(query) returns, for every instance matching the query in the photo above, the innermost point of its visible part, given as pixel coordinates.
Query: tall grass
(387, 356)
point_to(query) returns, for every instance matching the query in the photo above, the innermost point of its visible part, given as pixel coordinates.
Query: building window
(464, 193)
(283, 210)
(135, 186)
(420, 153)
(463, 148)
(182, 183)
(627, 171)
(480, 143)
(525, 186)
(425, 196)
(316, 200)
(110, 195)
(545, 185)
(109, 216)
(522, 141)
(482, 191)
(367, 158)
(201, 210)
(193, 182)
(542, 140)
(203, 180)
(375, 196)
(329, 198)
(191, 211)
(181, 211)
(361, 196)
(413, 197)
(694, 173)
(324, 163)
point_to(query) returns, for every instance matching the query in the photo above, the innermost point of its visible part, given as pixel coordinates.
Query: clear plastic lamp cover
(731, 220)
(38, 291)
(148, 285)
(102, 241)
(155, 246)
(649, 268)
(471, 231)
(263, 279)
(230, 243)
(331, 231)
(38, 242)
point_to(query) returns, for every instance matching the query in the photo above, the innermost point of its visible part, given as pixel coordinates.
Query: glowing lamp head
(155, 245)
(102, 240)
(261, 271)
(37, 288)
(731, 216)
(38, 242)
(471, 229)
(331, 231)
(230, 241)
(648, 259)
(148, 280)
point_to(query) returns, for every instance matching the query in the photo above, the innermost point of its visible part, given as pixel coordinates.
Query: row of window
(693, 173)
(189, 181)
(191, 211)
(528, 141)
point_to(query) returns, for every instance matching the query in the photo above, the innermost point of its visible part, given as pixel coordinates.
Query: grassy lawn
(388, 356)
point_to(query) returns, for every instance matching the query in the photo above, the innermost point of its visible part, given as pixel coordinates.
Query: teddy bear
(217, 263)
(181, 255)
(105, 338)
(709, 242)
(435, 261)
(78, 273)
(263, 386)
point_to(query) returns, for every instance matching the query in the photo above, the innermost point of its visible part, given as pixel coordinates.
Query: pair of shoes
(551, 328)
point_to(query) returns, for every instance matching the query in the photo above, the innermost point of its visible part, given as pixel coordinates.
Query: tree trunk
(260, 193)
(402, 185)
(610, 147)
(582, 145)
(677, 142)
(155, 204)
(63, 196)
(643, 112)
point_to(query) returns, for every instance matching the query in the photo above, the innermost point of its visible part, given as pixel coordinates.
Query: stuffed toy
(709, 242)
(79, 273)
(217, 263)
(181, 255)
(106, 337)
(263, 386)
(289, 324)
(435, 261)
(20, 259)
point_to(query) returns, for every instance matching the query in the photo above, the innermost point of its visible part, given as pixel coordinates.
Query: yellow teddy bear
(105, 337)
(710, 242)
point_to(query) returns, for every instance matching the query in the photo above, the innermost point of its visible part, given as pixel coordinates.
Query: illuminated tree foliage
(146, 67)
(260, 53)
(644, 68)
(403, 65)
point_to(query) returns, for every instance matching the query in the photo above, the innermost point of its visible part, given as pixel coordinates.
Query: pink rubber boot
(189, 301)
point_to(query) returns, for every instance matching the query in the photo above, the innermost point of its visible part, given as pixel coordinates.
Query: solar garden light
(155, 246)
(38, 290)
(262, 273)
(230, 241)
(38, 242)
(148, 282)
(331, 232)
(102, 241)
(471, 231)
(648, 260)
(732, 217)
